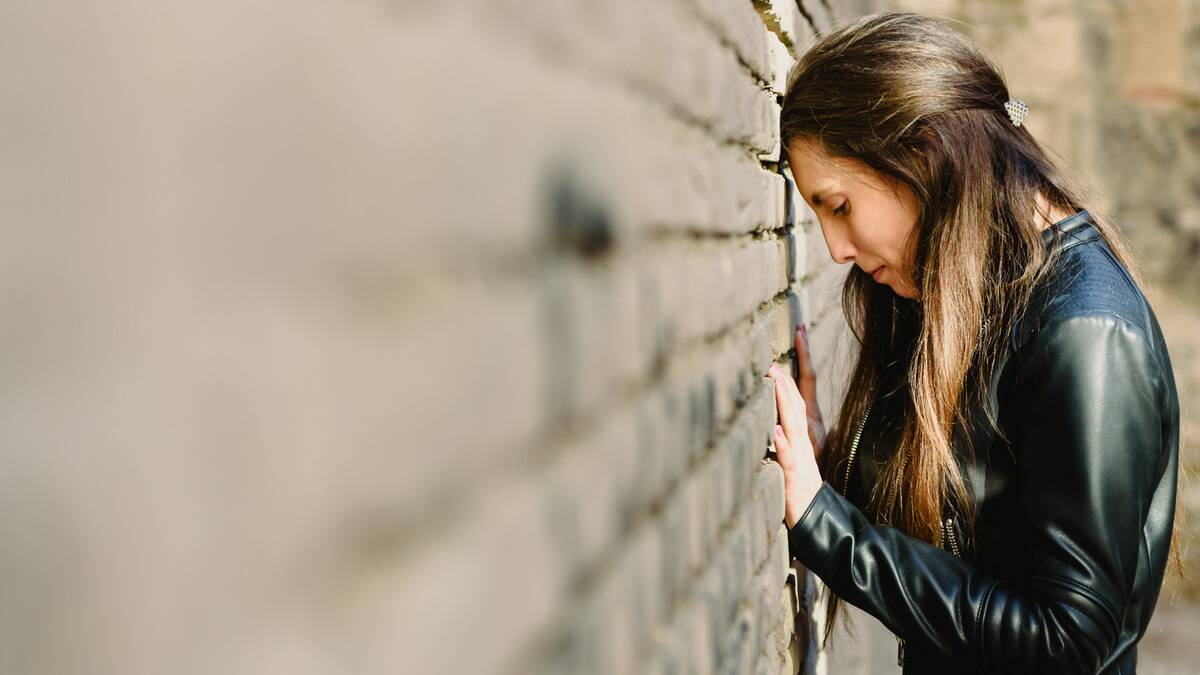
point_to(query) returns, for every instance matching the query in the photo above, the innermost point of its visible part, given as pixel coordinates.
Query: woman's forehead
(816, 173)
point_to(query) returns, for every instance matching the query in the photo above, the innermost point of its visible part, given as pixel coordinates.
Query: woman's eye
(841, 209)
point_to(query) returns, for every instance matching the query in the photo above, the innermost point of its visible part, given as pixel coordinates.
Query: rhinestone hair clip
(1017, 110)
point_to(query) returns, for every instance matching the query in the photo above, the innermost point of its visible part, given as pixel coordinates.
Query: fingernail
(804, 332)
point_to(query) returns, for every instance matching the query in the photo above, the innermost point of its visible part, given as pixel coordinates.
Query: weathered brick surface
(402, 337)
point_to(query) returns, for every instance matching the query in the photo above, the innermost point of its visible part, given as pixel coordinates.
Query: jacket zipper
(854, 448)
(846, 485)
(947, 524)
(951, 536)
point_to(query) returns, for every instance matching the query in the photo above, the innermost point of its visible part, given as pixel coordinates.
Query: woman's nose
(841, 250)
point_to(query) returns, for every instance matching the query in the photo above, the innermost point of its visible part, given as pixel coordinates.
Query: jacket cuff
(811, 539)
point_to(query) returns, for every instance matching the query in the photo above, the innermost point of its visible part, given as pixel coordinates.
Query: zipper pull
(951, 536)
(899, 651)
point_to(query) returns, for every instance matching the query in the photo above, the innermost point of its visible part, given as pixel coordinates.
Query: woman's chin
(903, 291)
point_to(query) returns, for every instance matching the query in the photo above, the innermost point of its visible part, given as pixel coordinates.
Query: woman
(999, 486)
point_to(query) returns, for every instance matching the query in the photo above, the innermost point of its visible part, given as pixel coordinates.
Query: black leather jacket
(1074, 511)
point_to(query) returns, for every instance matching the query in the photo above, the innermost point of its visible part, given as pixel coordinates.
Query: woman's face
(865, 217)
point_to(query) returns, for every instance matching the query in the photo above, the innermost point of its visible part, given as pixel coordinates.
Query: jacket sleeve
(1088, 449)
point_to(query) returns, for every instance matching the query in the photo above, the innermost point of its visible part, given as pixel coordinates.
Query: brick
(738, 649)
(784, 20)
(660, 48)
(667, 173)
(804, 35)
(763, 597)
(774, 148)
(353, 370)
(734, 475)
(782, 60)
(701, 643)
(698, 522)
(777, 199)
(706, 286)
(780, 559)
(675, 532)
(668, 655)
(769, 484)
(737, 24)
(649, 603)
(425, 599)
(615, 623)
(592, 338)
(759, 505)
(710, 592)
(769, 663)
(585, 493)
(820, 18)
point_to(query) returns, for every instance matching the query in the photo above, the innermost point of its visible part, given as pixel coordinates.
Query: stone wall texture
(421, 337)
(429, 337)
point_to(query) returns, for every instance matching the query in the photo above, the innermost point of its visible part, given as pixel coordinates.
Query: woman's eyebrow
(816, 196)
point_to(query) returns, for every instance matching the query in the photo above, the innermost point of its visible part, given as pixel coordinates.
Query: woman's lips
(877, 272)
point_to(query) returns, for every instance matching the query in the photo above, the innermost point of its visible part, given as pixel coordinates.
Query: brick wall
(402, 336)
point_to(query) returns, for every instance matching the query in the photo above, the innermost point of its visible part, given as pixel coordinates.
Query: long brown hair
(915, 100)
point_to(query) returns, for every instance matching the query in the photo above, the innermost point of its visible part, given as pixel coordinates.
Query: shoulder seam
(1142, 301)
(1115, 319)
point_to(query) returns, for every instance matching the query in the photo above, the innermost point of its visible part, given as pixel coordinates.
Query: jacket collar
(1073, 230)
(1066, 233)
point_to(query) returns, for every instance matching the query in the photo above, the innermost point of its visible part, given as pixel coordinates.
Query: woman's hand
(807, 385)
(793, 446)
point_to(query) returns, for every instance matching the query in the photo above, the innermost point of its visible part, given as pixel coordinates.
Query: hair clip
(1017, 110)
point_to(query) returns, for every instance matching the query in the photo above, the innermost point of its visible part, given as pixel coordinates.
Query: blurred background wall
(428, 337)
(398, 336)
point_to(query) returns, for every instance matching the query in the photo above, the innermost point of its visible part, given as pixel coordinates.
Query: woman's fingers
(807, 385)
(790, 405)
(783, 451)
(808, 374)
(795, 450)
